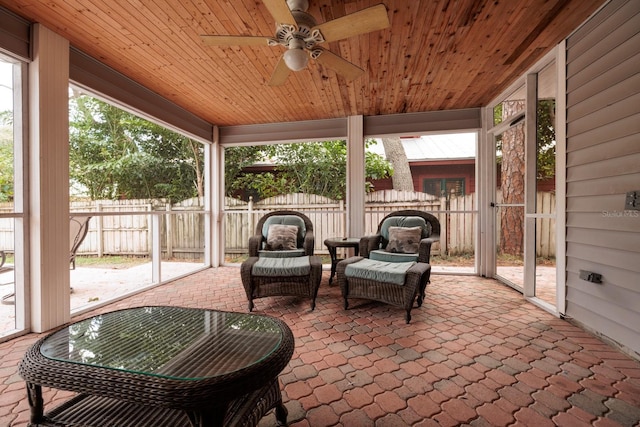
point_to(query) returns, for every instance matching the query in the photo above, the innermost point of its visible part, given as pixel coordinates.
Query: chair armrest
(309, 242)
(424, 250)
(368, 244)
(254, 245)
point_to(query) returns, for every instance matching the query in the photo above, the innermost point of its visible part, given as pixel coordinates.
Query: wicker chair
(369, 280)
(78, 228)
(295, 272)
(379, 241)
(305, 241)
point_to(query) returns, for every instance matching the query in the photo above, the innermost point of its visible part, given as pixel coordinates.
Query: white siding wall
(603, 163)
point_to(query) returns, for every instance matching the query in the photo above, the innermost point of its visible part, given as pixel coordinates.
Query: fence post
(343, 215)
(250, 217)
(444, 225)
(100, 230)
(168, 227)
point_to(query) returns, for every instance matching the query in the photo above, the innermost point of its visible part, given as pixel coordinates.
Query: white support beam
(49, 180)
(355, 176)
(214, 201)
(530, 158)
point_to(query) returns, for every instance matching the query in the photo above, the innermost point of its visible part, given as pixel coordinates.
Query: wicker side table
(340, 242)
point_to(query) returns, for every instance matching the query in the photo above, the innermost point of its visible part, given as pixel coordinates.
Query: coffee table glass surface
(150, 340)
(190, 360)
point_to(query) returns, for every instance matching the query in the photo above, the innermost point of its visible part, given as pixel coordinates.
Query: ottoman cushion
(383, 255)
(379, 271)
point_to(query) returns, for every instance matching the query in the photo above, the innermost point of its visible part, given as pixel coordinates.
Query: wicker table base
(92, 411)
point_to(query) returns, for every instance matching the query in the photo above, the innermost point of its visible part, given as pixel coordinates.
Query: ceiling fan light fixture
(296, 59)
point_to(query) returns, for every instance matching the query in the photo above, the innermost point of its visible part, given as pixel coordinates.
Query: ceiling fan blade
(280, 12)
(235, 40)
(340, 65)
(280, 73)
(364, 21)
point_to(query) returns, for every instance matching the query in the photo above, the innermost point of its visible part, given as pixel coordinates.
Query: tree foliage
(546, 137)
(546, 141)
(117, 155)
(311, 167)
(6, 163)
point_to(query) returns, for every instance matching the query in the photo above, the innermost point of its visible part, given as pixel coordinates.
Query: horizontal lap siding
(603, 163)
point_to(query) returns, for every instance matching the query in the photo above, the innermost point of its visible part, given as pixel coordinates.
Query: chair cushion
(404, 221)
(379, 271)
(285, 220)
(383, 255)
(404, 240)
(281, 237)
(281, 254)
(296, 266)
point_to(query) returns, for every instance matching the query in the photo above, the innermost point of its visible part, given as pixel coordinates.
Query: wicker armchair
(379, 242)
(78, 229)
(293, 271)
(305, 241)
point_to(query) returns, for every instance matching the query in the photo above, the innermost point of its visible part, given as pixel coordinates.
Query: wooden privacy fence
(328, 216)
(125, 227)
(118, 231)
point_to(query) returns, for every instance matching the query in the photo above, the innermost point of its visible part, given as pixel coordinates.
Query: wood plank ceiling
(437, 54)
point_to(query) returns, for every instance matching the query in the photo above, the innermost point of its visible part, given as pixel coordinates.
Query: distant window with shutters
(444, 187)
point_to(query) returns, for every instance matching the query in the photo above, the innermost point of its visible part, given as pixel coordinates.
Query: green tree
(311, 167)
(117, 155)
(236, 159)
(546, 139)
(6, 156)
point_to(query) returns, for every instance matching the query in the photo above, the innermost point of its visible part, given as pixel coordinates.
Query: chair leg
(281, 414)
(408, 316)
(250, 305)
(346, 304)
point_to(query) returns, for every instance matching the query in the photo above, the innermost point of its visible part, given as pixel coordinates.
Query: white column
(485, 169)
(49, 180)
(355, 176)
(214, 200)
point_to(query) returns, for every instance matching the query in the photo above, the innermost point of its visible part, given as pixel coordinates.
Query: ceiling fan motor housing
(301, 5)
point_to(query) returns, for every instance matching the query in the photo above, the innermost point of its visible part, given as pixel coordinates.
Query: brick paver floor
(476, 353)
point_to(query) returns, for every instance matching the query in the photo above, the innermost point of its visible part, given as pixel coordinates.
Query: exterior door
(509, 191)
(524, 213)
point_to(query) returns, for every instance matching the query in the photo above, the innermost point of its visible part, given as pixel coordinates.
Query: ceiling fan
(298, 32)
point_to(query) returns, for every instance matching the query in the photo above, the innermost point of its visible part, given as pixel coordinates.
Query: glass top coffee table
(160, 365)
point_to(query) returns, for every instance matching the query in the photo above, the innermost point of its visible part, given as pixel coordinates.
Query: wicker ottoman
(296, 276)
(376, 284)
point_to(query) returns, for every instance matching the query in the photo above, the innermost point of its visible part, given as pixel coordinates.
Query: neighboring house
(444, 164)
(440, 164)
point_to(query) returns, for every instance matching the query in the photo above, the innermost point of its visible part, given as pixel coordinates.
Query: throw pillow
(404, 239)
(281, 237)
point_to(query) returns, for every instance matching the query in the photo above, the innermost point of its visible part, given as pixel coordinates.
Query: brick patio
(475, 354)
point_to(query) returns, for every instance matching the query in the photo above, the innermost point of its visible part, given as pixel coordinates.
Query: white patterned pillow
(281, 237)
(404, 240)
